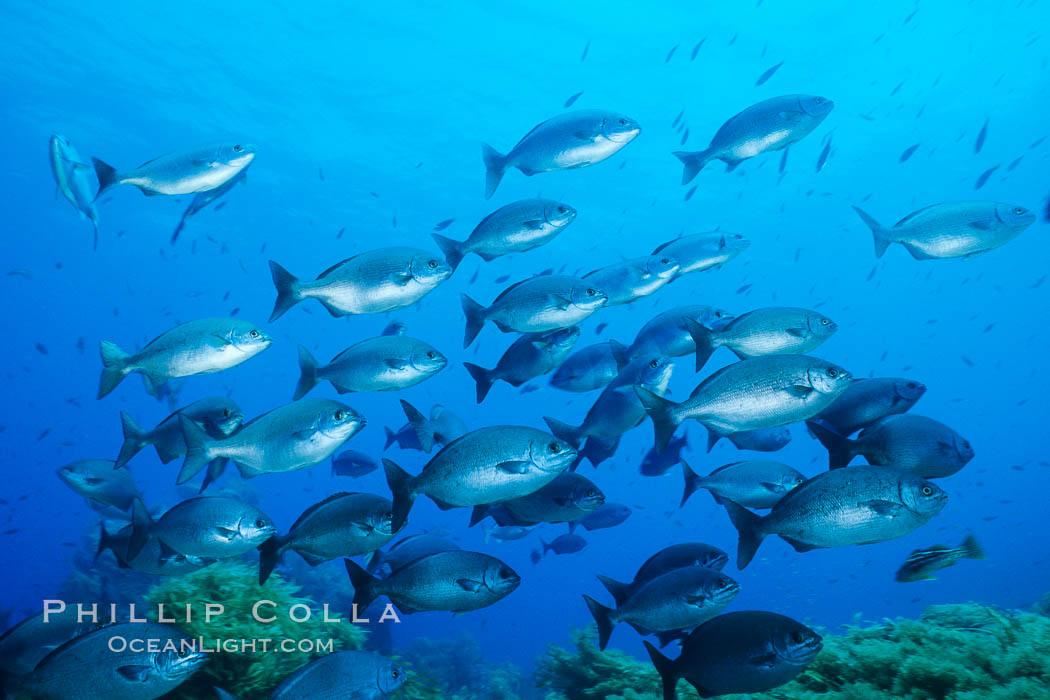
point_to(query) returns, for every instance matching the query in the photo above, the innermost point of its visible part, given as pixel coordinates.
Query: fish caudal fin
(666, 668)
(693, 162)
(692, 482)
(107, 176)
(105, 541)
(475, 314)
(705, 342)
(603, 618)
(617, 589)
(564, 431)
(662, 412)
(134, 440)
(307, 374)
(140, 527)
(882, 240)
(451, 249)
(495, 166)
(400, 483)
(287, 286)
(197, 450)
(269, 554)
(419, 423)
(749, 531)
(391, 438)
(114, 367)
(477, 514)
(482, 377)
(362, 582)
(970, 548)
(215, 469)
(840, 449)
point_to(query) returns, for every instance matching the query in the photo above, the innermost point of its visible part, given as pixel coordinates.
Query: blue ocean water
(368, 119)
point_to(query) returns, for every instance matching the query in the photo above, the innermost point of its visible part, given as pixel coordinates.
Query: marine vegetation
(249, 674)
(456, 669)
(952, 652)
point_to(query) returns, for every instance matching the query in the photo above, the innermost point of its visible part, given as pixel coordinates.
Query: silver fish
(631, 280)
(407, 550)
(537, 304)
(514, 228)
(290, 437)
(72, 176)
(154, 661)
(155, 558)
(107, 490)
(669, 333)
(761, 439)
(456, 581)
(386, 363)
(374, 282)
(342, 525)
(566, 142)
(488, 465)
(215, 527)
(769, 125)
(195, 347)
(703, 251)
(203, 199)
(591, 367)
(752, 484)
(185, 172)
(763, 392)
(528, 357)
(344, 675)
(218, 416)
(677, 556)
(441, 428)
(868, 400)
(861, 505)
(952, 229)
(777, 330)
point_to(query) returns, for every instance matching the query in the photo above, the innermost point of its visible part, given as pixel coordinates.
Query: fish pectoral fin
(763, 660)
(135, 672)
(697, 600)
(560, 301)
(798, 332)
(886, 508)
(401, 278)
(469, 584)
(799, 546)
(83, 167)
(225, 533)
(790, 117)
(584, 135)
(981, 225)
(218, 341)
(534, 224)
(442, 505)
(517, 467)
(396, 363)
(310, 558)
(799, 390)
(577, 166)
(561, 500)
(773, 488)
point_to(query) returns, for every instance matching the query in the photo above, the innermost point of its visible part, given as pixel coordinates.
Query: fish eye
(238, 148)
(396, 673)
(832, 372)
(554, 448)
(340, 415)
(432, 264)
(796, 637)
(927, 491)
(1019, 210)
(562, 210)
(254, 333)
(505, 573)
(182, 653)
(665, 261)
(226, 413)
(591, 291)
(623, 122)
(824, 321)
(431, 355)
(260, 523)
(591, 493)
(654, 363)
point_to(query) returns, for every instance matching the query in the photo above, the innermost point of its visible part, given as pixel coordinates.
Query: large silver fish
(155, 558)
(670, 333)
(106, 489)
(342, 525)
(456, 581)
(514, 228)
(72, 176)
(763, 392)
(861, 505)
(868, 400)
(591, 367)
(769, 125)
(385, 279)
(952, 229)
(566, 142)
(218, 416)
(528, 357)
(752, 483)
(290, 437)
(703, 251)
(195, 347)
(776, 330)
(488, 465)
(385, 363)
(631, 280)
(153, 660)
(185, 172)
(214, 527)
(537, 304)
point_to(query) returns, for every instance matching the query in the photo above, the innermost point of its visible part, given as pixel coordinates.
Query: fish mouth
(625, 136)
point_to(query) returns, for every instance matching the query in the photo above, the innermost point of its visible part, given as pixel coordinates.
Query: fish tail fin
(114, 367)
(288, 293)
(692, 163)
(362, 582)
(197, 450)
(666, 668)
(564, 431)
(400, 483)
(451, 249)
(216, 467)
(749, 531)
(617, 589)
(107, 176)
(94, 223)
(140, 526)
(882, 240)
(692, 482)
(482, 377)
(619, 353)
(134, 440)
(269, 555)
(391, 437)
(704, 339)
(420, 424)
(307, 374)
(713, 436)
(971, 548)
(840, 449)
(662, 412)
(603, 618)
(495, 166)
(475, 314)
(477, 514)
(105, 541)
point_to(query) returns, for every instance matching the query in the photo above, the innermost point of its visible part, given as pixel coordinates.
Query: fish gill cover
(788, 254)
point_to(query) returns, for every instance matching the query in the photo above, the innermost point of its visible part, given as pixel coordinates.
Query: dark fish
(739, 652)
(441, 428)
(586, 48)
(407, 550)
(671, 53)
(569, 496)
(608, 515)
(696, 49)
(822, 160)
(530, 356)
(155, 558)
(657, 463)
(109, 491)
(217, 416)
(908, 153)
(867, 400)
(984, 177)
(203, 199)
(921, 563)
(768, 74)
(41, 348)
(25, 645)
(442, 225)
(677, 556)
(216, 527)
(981, 136)
(591, 367)
(564, 544)
(353, 464)
(783, 161)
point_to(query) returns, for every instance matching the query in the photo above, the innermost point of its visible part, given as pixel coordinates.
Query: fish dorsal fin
(317, 506)
(725, 467)
(333, 268)
(664, 245)
(508, 290)
(532, 131)
(913, 215)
